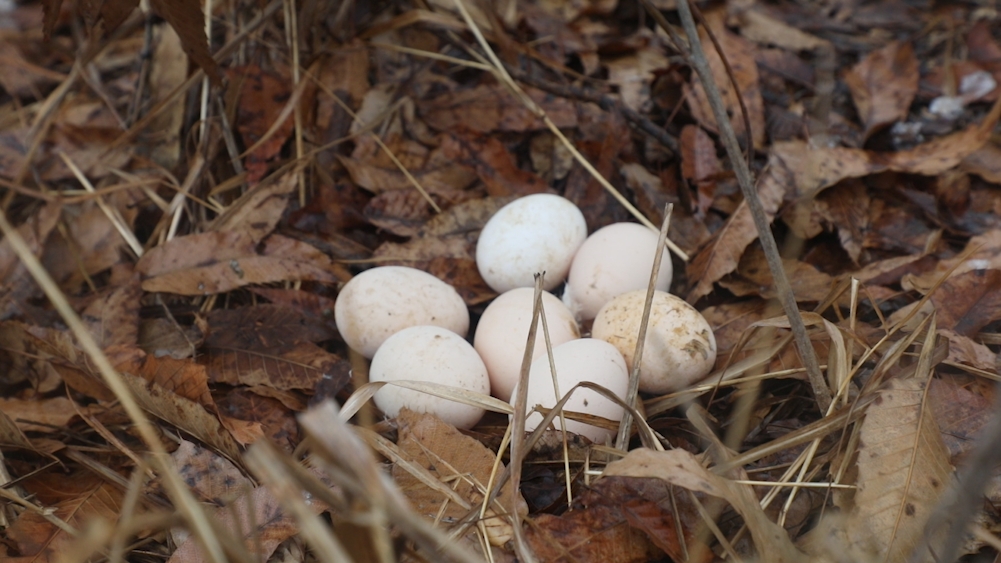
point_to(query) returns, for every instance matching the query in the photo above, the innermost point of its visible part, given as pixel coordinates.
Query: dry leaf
(262, 99)
(680, 468)
(256, 518)
(459, 462)
(78, 500)
(603, 521)
(209, 475)
(903, 469)
(722, 253)
(295, 366)
(17, 284)
(740, 54)
(185, 16)
(183, 413)
(260, 208)
(217, 262)
(493, 108)
(884, 84)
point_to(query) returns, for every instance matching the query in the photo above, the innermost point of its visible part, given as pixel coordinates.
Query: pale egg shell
(502, 333)
(585, 359)
(680, 347)
(613, 260)
(536, 233)
(380, 302)
(432, 354)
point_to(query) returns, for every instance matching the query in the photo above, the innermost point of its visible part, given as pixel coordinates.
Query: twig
(633, 389)
(820, 390)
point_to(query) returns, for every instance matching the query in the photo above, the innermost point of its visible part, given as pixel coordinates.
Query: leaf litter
(202, 229)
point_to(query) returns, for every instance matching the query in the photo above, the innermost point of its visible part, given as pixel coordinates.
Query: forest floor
(178, 216)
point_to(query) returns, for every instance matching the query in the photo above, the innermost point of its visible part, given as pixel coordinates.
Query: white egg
(502, 333)
(380, 302)
(536, 233)
(613, 260)
(680, 348)
(432, 354)
(585, 359)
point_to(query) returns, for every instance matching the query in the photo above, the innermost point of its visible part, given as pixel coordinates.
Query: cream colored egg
(613, 260)
(680, 347)
(585, 359)
(432, 354)
(502, 334)
(536, 233)
(380, 302)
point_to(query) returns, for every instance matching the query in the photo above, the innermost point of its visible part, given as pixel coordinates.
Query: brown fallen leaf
(587, 536)
(18, 286)
(299, 365)
(883, 85)
(166, 338)
(185, 16)
(216, 262)
(739, 53)
(969, 301)
(653, 193)
(459, 462)
(722, 253)
(754, 278)
(212, 477)
(90, 243)
(113, 315)
(903, 469)
(266, 326)
(699, 164)
(78, 500)
(494, 164)
(434, 170)
(259, 209)
(593, 529)
(492, 107)
(271, 410)
(963, 350)
(680, 468)
(960, 412)
(256, 518)
(262, 97)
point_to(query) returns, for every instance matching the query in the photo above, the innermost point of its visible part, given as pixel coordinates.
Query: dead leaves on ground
(250, 215)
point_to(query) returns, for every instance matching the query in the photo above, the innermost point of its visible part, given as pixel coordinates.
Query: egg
(680, 348)
(380, 302)
(432, 354)
(613, 260)
(502, 334)
(585, 359)
(536, 233)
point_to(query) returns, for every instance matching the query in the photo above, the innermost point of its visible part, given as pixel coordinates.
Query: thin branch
(743, 173)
